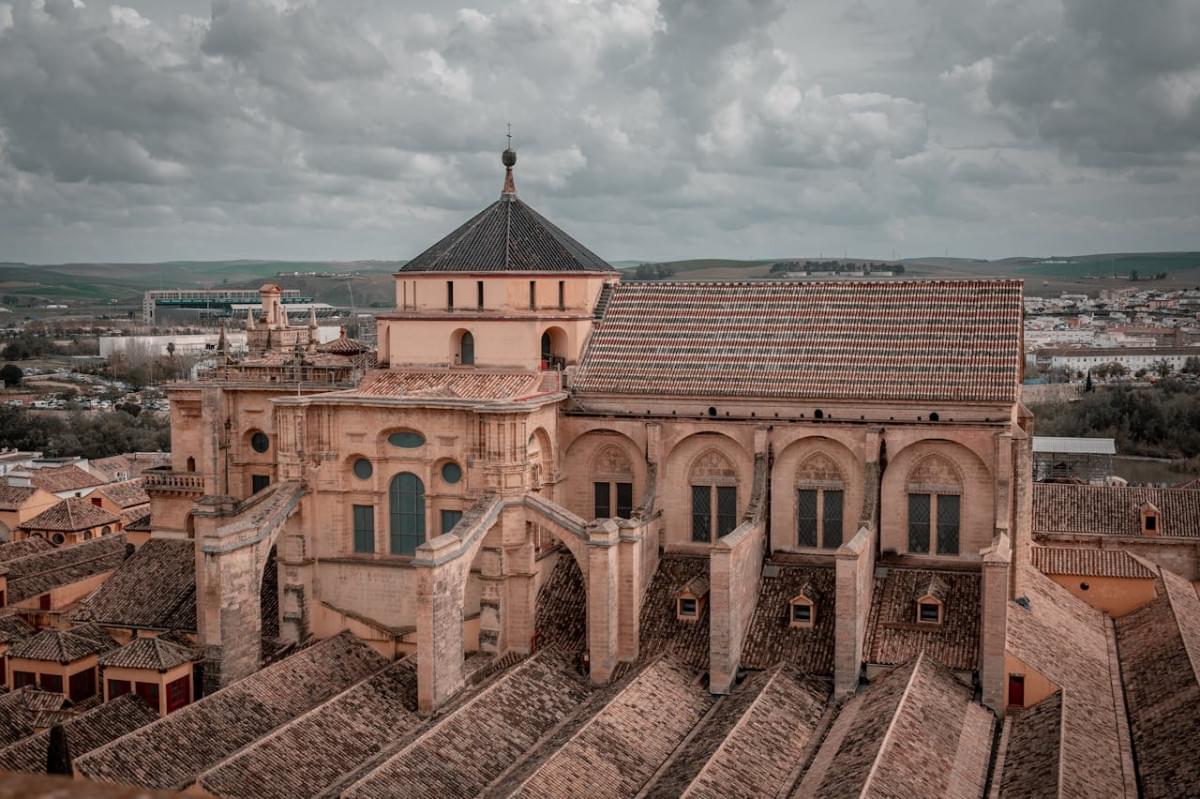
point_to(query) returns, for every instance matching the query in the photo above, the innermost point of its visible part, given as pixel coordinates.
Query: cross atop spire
(508, 158)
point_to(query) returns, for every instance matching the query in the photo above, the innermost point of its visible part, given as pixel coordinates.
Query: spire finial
(508, 158)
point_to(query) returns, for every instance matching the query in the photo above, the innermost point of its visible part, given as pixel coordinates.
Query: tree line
(1157, 421)
(88, 435)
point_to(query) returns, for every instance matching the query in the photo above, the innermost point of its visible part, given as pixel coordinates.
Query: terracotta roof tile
(13, 497)
(62, 646)
(893, 636)
(1032, 742)
(448, 384)
(915, 731)
(37, 574)
(562, 607)
(63, 478)
(623, 745)
(125, 494)
(748, 746)
(507, 236)
(13, 627)
(12, 550)
(771, 638)
(895, 340)
(1113, 510)
(661, 629)
(148, 653)
(19, 710)
(85, 732)
(325, 742)
(1160, 658)
(171, 752)
(1067, 642)
(71, 515)
(155, 589)
(472, 745)
(1087, 562)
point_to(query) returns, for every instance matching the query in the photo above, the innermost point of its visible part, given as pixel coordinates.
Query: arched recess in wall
(725, 474)
(462, 347)
(816, 494)
(553, 347)
(937, 501)
(539, 454)
(578, 489)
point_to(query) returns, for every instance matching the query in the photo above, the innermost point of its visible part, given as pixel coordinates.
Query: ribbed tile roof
(85, 732)
(955, 341)
(893, 634)
(1087, 562)
(36, 574)
(1113, 510)
(13, 497)
(148, 653)
(508, 236)
(450, 384)
(63, 478)
(126, 493)
(71, 515)
(155, 588)
(62, 646)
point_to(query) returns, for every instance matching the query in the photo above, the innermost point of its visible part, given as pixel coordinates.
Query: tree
(1133, 275)
(11, 374)
(1162, 367)
(1191, 366)
(1088, 385)
(171, 348)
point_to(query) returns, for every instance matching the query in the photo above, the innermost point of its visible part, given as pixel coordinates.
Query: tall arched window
(713, 482)
(612, 483)
(820, 494)
(547, 347)
(191, 464)
(466, 349)
(934, 505)
(406, 507)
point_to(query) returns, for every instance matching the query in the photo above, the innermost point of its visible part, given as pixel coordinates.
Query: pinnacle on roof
(508, 236)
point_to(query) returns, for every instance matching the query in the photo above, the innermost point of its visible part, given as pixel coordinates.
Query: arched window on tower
(466, 349)
(612, 483)
(406, 511)
(820, 493)
(713, 483)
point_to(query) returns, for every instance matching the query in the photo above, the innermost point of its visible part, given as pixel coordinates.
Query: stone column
(603, 599)
(993, 622)
(519, 596)
(630, 604)
(855, 582)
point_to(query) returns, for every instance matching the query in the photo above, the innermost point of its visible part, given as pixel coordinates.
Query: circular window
(451, 472)
(406, 439)
(363, 469)
(260, 442)
(58, 538)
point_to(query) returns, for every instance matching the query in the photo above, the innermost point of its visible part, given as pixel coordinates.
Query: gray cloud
(648, 128)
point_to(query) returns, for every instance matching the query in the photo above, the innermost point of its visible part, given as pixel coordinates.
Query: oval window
(452, 472)
(406, 439)
(260, 442)
(363, 469)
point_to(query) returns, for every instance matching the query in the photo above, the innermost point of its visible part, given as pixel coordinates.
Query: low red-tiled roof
(12, 550)
(895, 340)
(63, 646)
(125, 494)
(893, 634)
(1113, 510)
(42, 572)
(63, 478)
(71, 515)
(1086, 562)
(148, 653)
(85, 732)
(449, 384)
(13, 497)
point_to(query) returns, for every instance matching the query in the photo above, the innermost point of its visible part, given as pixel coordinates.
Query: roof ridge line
(887, 735)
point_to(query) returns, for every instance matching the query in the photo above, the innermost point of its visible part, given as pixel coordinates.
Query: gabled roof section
(63, 646)
(148, 653)
(85, 732)
(69, 477)
(155, 588)
(935, 340)
(508, 236)
(72, 515)
(41, 572)
(1113, 510)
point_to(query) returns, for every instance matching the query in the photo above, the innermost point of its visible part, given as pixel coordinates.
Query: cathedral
(561, 534)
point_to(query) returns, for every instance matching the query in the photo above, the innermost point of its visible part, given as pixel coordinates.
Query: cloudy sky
(649, 129)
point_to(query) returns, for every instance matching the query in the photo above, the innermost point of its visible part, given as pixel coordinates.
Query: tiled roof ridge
(47, 519)
(275, 733)
(60, 567)
(161, 651)
(886, 739)
(1176, 596)
(758, 284)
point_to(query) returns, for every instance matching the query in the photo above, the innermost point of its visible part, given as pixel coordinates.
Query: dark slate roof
(155, 589)
(171, 752)
(893, 636)
(63, 646)
(148, 653)
(36, 574)
(952, 341)
(1113, 510)
(85, 732)
(508, 236)
(1160, 656)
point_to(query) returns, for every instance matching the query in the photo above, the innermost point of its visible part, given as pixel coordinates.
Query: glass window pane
(624, 500)
(364, 528)
(701, 513)
(947, 513)
(806, 518)
(726, 509)
(449, 519)
(600, 504)
(832, 525)
(918, 523)
(407, 511)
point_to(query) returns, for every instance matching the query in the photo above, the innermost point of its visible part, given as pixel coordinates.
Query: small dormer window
(1151, 519)
(931, 600)
(689, 602)
(802, 611)
(688, 607)
(929, 613)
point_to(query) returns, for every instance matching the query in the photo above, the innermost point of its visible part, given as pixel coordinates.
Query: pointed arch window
(713, 483)
(406, 511)
(934, 507)
(820, 499)
(466, 349)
